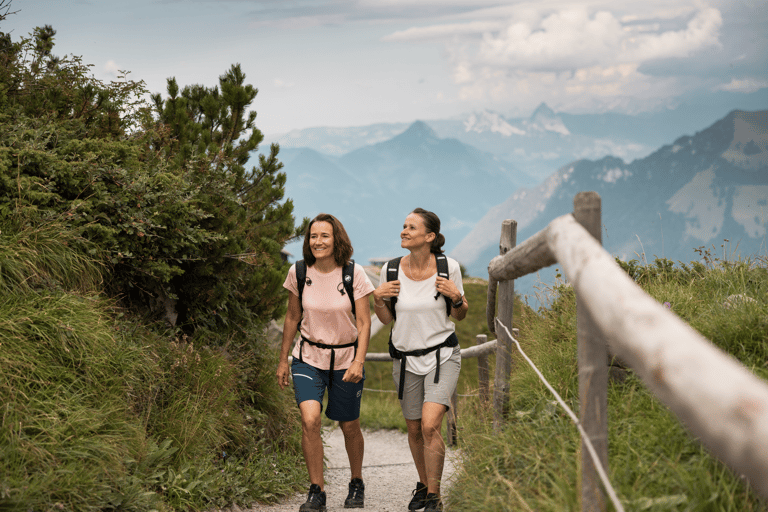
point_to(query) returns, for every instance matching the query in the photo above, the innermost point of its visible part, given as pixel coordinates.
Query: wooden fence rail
(720, 401)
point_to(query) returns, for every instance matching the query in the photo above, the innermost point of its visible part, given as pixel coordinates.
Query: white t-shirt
(327, 315)
(422, 321)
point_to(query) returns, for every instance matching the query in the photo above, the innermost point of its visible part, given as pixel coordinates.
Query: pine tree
(191, 234)
(211, 135)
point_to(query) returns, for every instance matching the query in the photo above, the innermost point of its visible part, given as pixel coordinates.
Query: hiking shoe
(419, 499)
(433, 503)
(315, 500)
(356, 496)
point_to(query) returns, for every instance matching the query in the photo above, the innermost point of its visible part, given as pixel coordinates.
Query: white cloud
(441, 32)
(702, 31)
(577, 56)
(281, 84)
(111, 68)
(573, 39)
(745, 85)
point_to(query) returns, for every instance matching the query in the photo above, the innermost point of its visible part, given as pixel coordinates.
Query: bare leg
(416, 443)
(311, 442)
(355, 445)
(432, 415)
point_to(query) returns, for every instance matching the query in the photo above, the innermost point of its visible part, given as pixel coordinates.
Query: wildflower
(668, 305)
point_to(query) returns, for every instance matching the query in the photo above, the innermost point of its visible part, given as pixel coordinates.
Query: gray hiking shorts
(422, 388)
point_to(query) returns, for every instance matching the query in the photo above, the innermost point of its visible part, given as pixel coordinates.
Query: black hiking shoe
(356, 496)
(419, 499)
(433, 503)
(315, 500)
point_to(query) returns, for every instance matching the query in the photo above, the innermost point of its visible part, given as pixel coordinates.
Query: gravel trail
(388, 473)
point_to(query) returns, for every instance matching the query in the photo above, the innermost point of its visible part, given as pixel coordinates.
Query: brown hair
(342, 246)
(432, 223)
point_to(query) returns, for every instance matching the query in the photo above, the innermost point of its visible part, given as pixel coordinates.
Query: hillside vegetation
(139, 262)
(654, 464)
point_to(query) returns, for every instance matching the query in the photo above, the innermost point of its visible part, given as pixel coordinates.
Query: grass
(102, 411)
(654, 464)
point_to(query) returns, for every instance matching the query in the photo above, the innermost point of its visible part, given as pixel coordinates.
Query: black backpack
(347, 278)
(393, 268)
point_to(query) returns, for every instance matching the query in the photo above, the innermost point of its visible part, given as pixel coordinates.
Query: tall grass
(654, 464)
(100, 411)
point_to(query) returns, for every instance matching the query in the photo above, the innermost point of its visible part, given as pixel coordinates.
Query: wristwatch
(458, 303)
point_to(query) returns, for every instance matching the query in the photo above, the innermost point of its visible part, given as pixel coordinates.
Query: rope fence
(591, 449)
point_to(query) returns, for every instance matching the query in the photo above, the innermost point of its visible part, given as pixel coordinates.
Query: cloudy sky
(356, 62)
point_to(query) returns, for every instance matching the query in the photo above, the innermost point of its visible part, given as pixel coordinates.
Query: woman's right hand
(386, 290)
(283, 374)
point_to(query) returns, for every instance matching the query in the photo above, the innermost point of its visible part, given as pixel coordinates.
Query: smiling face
(414, 234)
(321, 240)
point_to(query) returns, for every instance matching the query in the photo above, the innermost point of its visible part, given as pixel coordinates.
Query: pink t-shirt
(328, 315)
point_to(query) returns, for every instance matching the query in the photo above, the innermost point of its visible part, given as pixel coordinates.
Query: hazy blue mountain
(371, 189)
(546, 140)
(709, 189)
(338, 141)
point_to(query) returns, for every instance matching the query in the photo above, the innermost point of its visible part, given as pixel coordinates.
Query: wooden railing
(720, 401)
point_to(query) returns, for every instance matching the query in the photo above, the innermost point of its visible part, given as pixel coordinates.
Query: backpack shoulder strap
(393, 269)
(442, 270)
(348, 278)
(301, 277)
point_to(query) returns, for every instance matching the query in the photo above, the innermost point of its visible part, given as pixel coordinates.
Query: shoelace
(355, 488)
(315, 497)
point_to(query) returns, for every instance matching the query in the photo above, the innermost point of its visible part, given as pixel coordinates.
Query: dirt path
(388, 473)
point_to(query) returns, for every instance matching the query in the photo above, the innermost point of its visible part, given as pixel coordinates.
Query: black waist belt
(332, 348)
(451, 341)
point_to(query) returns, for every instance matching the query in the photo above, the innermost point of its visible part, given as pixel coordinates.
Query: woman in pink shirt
(330, 352)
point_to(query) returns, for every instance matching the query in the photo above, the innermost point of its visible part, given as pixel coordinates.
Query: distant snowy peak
(488, 121)
(749, 148)
(544, 119)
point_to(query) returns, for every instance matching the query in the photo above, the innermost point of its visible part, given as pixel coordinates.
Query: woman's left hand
(354, 373)
(448, 288)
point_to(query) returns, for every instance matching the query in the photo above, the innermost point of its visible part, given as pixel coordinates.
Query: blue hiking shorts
(309, 383)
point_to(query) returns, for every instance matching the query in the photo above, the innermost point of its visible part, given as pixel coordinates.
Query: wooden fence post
(452, 428)
(482, 370)
(593, 371)
(506, 297)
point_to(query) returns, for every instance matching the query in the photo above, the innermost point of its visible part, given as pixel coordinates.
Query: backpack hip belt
(451, 341)
(332, 348)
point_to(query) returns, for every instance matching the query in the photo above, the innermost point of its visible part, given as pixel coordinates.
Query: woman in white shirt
(424, 344)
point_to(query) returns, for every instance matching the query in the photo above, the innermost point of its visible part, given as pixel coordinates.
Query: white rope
(575, 419)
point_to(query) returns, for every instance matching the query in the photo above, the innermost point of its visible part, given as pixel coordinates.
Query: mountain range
(699, 190)
(372, 189)
(708, 190)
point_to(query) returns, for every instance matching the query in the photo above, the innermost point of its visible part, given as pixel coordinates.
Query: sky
(356, 62)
